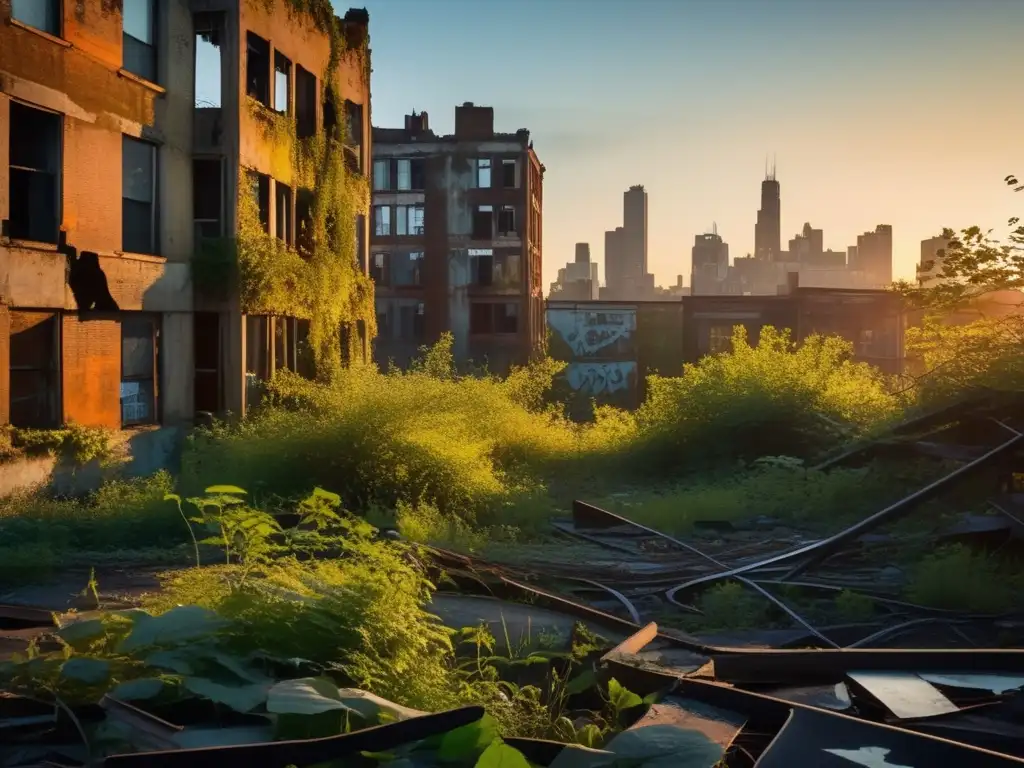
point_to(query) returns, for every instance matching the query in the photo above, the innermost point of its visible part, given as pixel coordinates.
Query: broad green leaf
(370, 706)
(584, 680)
(171, 661)
(81, 631)
(235, 667)
(85, 670)
(229, 489)
(331, 498)
(589, 736)
(501, 755)
(199, 738)
(186, 622)
(576, 756)
(138, 690)
(469, 740)
(305, 696)
(241, 698)
(622, 698)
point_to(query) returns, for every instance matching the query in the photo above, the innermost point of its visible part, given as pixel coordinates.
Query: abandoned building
(124, 135)
(456, 240)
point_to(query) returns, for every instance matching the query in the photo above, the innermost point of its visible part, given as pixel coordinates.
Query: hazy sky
(904, 112)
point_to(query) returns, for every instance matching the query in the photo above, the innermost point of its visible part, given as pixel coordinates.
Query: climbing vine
(324, 282)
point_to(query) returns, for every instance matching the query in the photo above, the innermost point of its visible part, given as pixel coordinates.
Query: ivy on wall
(324, 283)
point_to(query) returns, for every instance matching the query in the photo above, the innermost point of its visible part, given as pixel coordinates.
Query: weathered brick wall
(92, 186)
(91, 371)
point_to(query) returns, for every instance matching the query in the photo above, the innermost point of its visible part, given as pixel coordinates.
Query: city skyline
(855, 136)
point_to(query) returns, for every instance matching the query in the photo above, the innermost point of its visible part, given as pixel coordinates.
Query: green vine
(325, 283)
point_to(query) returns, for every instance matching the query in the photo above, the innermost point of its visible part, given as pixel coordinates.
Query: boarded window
(35, 396)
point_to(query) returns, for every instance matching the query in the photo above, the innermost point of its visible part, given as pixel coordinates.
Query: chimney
(474, 123)
(417, 123)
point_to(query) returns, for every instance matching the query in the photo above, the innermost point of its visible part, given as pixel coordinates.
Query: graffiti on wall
(594, 332)
(596, 379)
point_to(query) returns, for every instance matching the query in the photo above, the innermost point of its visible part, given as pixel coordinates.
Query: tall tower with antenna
(768, 230)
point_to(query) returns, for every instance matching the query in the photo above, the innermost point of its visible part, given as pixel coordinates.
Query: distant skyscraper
(634, 222)
(614, 257)
(929, 269)
(582, 253)
(709, 264)
(874, 255)
(768, 230)
(577, 280)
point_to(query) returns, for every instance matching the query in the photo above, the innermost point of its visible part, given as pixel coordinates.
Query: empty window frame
(138, 196)
(382, 220)
(406, 269)
(283, 211)
(482, 172)
(257, 68)
(305, 103)
(35, 173)
(34, 369)
(417, 174)
(379, 272)
(509, 173)
(41, 14)
(411, 326)
(381, 175)
(409, 220)
(282, 83)
(304, 222)
(404, 174)
(501, 270)
(488, 318)
(507, 220)
(139, 355)
(483, 222)
(208, 198)
(259, 188)
(208, 63)
(139, 38)
(206, 357)
(353, 123)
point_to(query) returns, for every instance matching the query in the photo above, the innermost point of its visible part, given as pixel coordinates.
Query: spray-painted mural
(599, 344)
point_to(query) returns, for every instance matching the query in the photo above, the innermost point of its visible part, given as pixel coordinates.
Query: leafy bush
(769, 399)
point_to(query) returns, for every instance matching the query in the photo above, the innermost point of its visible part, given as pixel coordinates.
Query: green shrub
(957, 578)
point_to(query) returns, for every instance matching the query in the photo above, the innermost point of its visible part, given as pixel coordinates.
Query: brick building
(123, 133)
(456, 240)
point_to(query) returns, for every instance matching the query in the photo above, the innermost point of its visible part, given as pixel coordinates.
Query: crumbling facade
(125, 130)
(456, 240)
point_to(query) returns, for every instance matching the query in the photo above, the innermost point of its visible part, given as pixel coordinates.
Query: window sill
(28, 245)
(149, 84)
(141, 257)
(41, 33)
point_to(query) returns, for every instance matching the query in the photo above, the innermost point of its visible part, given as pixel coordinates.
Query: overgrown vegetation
(74, 443)
(320, 280)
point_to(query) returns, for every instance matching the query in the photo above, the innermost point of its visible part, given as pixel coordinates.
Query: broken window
(353, 123)
(379, 268)
(206, 358)
(404, 175)
(330, 114)
(35, 173)
(509, 174)
(282, 83)
(381, 174)
(486, 317)
(719, 339)
(283, 211)
(304, 222)
(260, 190)
(481, 265)
(406, 269)
(305, 103)
(507, 220)
(482, 172)
(257, 68)
(382, 220)
(489, 269)
(34, 367)
(483, 222)
(417, 172)
(139, 335)
(207, 198)
(41, 14)
(208, 60)
(139, 38)
(138, 196)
